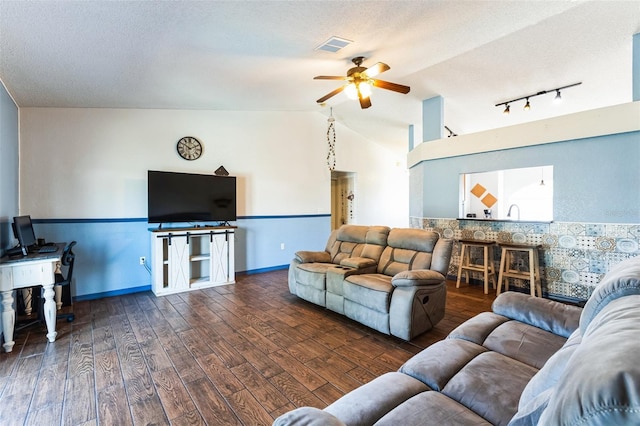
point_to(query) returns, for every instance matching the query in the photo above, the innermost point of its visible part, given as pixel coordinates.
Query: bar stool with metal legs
(533, 274)
(486, 267)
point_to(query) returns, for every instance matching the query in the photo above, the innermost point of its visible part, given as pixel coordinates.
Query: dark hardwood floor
(233, 355)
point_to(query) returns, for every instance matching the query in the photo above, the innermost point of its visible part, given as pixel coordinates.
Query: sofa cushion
(490, 385)
(353, 233)
(431, 408)
(370, 290)
(344, 249)
(523, 342)
(412, 239)
(601, 385)
(622, 280)
(377, 235)
(407, 249)
(368, 403)
(555, 317)
(477, 329)
(438, 363)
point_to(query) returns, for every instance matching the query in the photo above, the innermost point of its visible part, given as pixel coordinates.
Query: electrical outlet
(143, 260)
(281, 246)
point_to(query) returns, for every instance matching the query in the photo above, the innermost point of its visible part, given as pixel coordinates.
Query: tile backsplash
(574, 256)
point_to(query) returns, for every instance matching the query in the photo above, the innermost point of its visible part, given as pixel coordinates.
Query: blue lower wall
(108, 250)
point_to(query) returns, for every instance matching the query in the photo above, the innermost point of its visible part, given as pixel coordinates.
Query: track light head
(527, 106)
(558, 98)
(506, 110)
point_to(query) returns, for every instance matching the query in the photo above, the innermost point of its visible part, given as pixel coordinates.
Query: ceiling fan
(360, 81)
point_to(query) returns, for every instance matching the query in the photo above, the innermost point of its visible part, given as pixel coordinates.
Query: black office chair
(68, 258)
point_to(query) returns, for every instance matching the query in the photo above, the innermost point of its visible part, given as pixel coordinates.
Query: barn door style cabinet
(187, 259)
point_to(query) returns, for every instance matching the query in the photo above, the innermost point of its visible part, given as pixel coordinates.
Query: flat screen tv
(186, 197)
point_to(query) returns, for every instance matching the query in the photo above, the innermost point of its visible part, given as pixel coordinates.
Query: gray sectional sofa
(531, 361)
(392, 280)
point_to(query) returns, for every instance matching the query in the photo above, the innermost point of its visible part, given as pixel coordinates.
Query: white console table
(185, 259)
(28, 271)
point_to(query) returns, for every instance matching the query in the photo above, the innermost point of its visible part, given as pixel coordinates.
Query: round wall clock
(189, 148)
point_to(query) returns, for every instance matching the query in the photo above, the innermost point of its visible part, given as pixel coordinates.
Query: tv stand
(185, 259)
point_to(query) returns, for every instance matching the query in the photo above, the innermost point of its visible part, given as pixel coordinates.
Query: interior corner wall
(9, 183)
(83, 177)
(382, 180)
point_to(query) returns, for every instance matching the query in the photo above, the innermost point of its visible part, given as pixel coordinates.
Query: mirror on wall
(524, 194)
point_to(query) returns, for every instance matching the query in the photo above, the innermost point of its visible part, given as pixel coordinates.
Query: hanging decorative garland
(331, 141)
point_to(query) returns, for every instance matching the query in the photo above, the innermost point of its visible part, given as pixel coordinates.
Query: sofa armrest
(358, 262)
(313, 256)
(417, 277)
(555, 317)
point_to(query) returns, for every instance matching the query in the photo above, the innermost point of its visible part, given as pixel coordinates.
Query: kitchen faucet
(512, 206)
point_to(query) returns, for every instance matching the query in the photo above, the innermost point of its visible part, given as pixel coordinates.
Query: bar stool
(533, 274)
(486, 267)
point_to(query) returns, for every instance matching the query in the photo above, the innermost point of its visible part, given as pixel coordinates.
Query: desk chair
(68, 259)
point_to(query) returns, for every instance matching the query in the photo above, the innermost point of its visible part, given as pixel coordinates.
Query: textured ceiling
(259, 55)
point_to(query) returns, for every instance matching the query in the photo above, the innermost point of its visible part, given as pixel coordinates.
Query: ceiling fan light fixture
(364, 87)
(351, 91)
(359, 83)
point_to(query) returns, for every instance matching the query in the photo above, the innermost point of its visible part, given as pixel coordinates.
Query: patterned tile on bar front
(575, 255)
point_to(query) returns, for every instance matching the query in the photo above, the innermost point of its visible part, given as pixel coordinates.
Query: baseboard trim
(120, 292)
(260, 270)
(143, 288)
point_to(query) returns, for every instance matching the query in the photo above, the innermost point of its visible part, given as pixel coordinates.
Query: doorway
(343, 206)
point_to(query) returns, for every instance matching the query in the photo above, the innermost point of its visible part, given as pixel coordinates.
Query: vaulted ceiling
(261, 56)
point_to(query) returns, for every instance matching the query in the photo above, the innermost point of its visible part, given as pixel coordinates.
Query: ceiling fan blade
(391, 86)
(329, 77)
(365, 102)
(329, 95)
(376, 69)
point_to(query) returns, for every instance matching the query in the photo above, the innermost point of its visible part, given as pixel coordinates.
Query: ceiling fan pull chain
(331, 141)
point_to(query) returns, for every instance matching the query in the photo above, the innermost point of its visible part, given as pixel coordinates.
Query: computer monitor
(23, 230)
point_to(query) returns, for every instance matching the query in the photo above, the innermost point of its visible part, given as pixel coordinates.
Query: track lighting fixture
(527, 106)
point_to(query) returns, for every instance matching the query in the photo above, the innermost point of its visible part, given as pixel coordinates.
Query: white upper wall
(92, 163)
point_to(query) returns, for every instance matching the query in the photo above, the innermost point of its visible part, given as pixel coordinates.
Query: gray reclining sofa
(531, 361)
(392, 280)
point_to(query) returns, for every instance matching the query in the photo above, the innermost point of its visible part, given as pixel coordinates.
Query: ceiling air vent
(334, 44)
